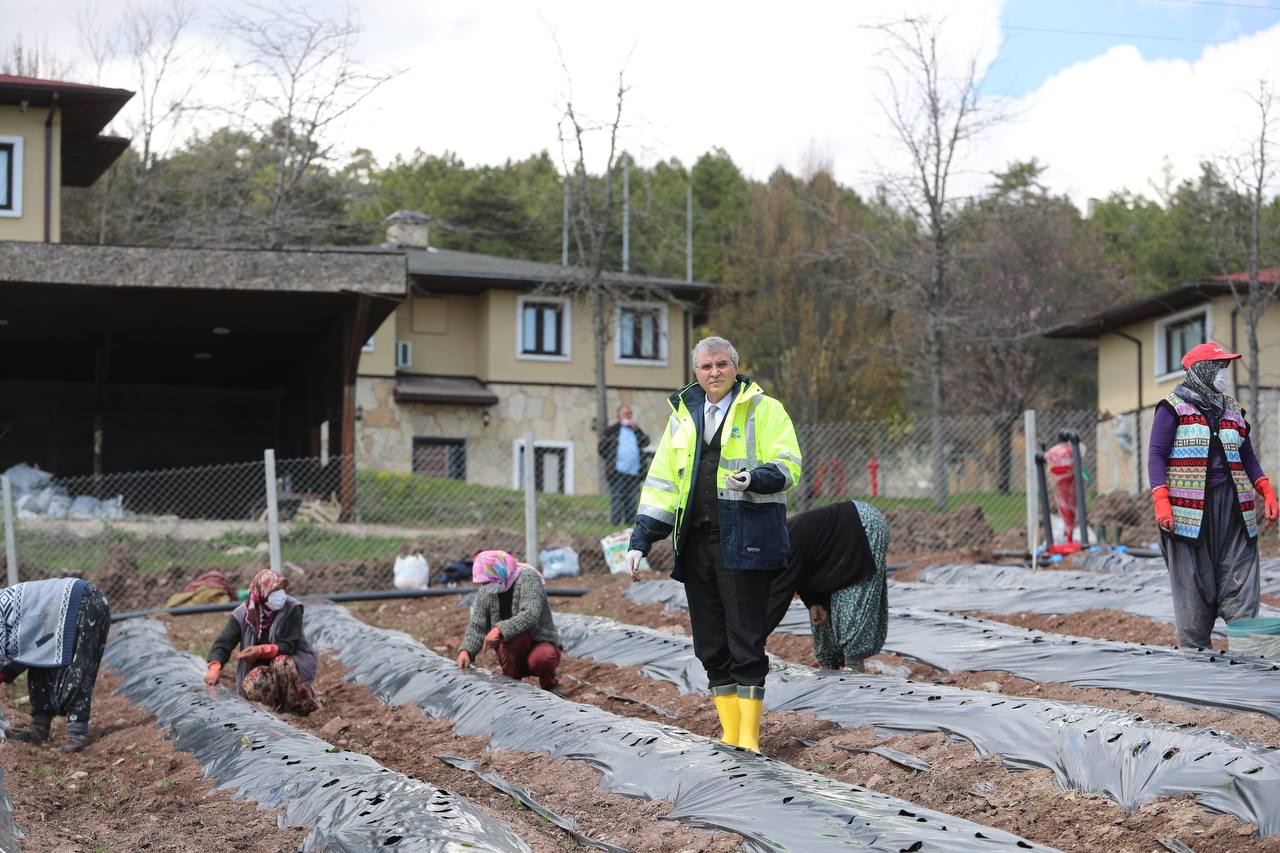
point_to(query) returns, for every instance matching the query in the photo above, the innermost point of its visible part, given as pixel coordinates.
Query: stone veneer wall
(385, 433)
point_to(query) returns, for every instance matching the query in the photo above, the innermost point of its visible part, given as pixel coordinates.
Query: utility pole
(626, 213)
(688, 233)
(564, 227)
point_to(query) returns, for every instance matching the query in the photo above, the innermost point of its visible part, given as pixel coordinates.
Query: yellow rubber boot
(727, 708)
(749, 713)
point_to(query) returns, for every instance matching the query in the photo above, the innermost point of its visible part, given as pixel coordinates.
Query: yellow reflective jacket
(757, 435)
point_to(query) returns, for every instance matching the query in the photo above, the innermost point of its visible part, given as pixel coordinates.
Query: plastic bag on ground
(559, 563)
(615, 551)
(85, 506)
(412, 572)
(25, 478)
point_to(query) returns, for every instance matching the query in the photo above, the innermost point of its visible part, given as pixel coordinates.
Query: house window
(642, 333)
(1177, 334)
(543, 328)
(10, 176)
(440, 457)
(552, 466)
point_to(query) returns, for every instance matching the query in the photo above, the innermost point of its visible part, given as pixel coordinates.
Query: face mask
(276, 599)
(1221, 379)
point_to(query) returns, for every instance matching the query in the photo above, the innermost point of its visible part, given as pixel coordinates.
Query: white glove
(737, 482)
(632, 564)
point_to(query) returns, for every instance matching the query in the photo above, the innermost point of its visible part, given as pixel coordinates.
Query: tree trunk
(601, 327)
(937, 401)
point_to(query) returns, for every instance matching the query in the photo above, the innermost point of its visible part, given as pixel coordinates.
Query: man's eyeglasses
(719, 365)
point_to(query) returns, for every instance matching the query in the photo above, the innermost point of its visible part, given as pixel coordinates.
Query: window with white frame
(641, 335)
(552, 466)
(1177, 334)
(10, 176)
(543, 325)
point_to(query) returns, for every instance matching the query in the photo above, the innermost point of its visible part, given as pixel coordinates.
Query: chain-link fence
(145, 536)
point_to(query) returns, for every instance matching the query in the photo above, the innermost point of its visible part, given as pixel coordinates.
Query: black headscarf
(1197, 387)
(829, 551)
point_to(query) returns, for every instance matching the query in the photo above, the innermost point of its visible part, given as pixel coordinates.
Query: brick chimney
(408, 229)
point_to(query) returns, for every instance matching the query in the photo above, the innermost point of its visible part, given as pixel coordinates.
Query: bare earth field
(130, 790)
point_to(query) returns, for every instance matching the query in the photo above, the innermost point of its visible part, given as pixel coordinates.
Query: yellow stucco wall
(29, 126)
(382, 361)
(466, 335)
(1117, 357)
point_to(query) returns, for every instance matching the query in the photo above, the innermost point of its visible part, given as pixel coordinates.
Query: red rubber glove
(1270, 506)
(464, 659)
(1164, 510)
(494, 637)
(266, 650)
(214, 671)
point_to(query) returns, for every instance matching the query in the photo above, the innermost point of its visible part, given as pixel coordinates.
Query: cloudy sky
(1102, 91)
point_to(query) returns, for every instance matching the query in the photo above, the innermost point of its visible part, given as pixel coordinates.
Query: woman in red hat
(1205, 478)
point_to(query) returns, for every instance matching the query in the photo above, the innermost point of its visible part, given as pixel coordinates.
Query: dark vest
(704, 506)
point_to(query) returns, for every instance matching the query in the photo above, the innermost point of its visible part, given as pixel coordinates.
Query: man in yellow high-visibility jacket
(718, 486)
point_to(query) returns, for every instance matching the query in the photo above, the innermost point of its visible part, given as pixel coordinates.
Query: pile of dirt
(1130, 516)
(914, 530)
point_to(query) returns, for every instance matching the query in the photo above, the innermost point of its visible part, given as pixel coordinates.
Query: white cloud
(771, 84)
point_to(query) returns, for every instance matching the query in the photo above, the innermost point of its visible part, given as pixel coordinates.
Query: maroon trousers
(521, 657)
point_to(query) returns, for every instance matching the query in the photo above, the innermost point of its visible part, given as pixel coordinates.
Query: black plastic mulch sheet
(969, 644)
(1153, 602)
(10, 833)
(1089, 749)
(987, 576)
(1123, 564)
(351, 802)
(773, 806)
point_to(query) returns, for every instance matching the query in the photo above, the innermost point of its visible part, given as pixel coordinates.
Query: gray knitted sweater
(530, 611)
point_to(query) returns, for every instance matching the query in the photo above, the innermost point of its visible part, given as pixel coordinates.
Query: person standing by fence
(621, 445)
(1205, 480)
(717, 485)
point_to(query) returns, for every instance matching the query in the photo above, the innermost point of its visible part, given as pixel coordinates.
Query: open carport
(129, 358)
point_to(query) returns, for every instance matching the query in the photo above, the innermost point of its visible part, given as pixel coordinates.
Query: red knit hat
(1207, 352)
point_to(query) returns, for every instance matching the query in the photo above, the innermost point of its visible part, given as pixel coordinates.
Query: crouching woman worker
(275, 664)
(56, 631)
(837, 565)
(512, 616)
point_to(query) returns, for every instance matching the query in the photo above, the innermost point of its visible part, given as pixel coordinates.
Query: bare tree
(1237, 229)
(302, 79)
(593, 203)
(934, 115)
(165, 70)
(32, 59)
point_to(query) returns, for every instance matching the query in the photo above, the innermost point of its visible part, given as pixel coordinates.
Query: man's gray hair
(714, 344)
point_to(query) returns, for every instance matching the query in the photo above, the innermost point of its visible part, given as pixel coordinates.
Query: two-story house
(484, 350)
(1140, 346)
(126, 358)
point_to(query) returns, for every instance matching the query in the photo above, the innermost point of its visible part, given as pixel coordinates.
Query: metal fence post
(273, 513)
(1032, 482)
(10, 544)
(530, 503)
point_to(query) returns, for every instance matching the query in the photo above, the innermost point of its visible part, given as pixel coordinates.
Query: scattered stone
(79, 774)
(261, 549)
(875, 779)
(237, 551)
(334, 727)
(990, 686)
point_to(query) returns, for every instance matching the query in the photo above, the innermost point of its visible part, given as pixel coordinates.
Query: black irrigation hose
(772, 805)
(1096, 750)
(349, 801)
(336, 597)
(523, 795)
